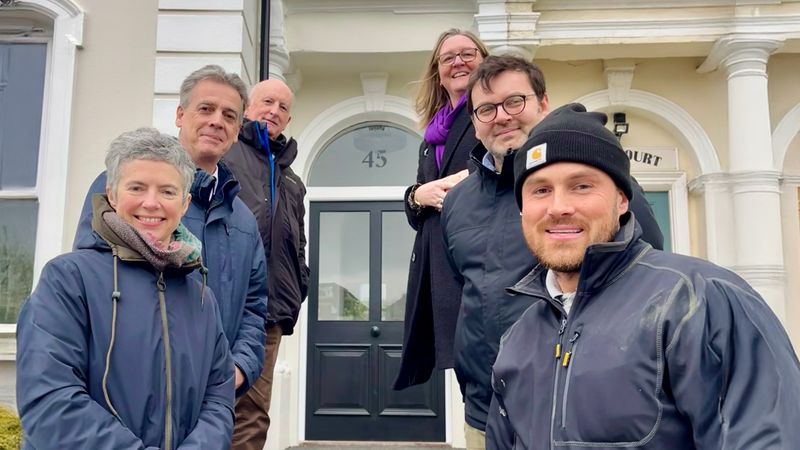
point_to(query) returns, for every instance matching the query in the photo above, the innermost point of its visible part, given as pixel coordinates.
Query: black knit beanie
(570, 134)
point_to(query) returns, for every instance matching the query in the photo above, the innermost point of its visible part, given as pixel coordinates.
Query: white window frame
(51, 180)
(674, 183)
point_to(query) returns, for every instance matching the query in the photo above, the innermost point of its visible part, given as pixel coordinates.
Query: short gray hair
(152, 145)
(213, 72)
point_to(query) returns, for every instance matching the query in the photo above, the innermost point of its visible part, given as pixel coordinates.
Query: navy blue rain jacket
(63, 336)
(660, 351)
(483, 236)
(234, 255)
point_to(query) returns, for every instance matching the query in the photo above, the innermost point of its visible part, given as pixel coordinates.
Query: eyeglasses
(512, 105)
(466, 55)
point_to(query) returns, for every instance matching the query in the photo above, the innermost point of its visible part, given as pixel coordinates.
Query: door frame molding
(350, 194)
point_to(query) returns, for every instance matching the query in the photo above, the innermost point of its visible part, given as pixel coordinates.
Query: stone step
(339, 445)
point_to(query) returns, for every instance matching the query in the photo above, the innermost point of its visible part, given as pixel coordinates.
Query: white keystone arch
(67, 37)
(783, 135)
(346, 114)
(671, 116)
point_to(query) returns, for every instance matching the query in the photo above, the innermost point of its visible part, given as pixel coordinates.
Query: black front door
(360, 253)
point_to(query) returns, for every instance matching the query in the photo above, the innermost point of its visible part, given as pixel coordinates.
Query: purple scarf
(437, 130)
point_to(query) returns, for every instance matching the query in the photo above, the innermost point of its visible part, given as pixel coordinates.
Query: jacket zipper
(555, 380)
(568, 362)
(167, 360)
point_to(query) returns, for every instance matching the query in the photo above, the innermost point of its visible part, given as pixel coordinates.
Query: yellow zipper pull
(568, 354)
(560, 337)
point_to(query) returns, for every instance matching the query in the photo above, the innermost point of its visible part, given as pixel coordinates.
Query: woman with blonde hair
(434, 292)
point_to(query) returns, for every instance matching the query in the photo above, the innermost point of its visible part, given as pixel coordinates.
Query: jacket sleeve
(733, 372)
(651, 233)
(416, 218)
(214, 428)
(248, 349)
(499, 434)
(52, 368)
(83, 235)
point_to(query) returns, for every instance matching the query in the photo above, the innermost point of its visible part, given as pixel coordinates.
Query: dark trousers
(252, 409)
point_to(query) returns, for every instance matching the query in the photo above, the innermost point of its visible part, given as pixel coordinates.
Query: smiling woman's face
(454, 78)
(149, 197)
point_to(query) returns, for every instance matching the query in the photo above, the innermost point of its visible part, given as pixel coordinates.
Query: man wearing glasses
(482, 230)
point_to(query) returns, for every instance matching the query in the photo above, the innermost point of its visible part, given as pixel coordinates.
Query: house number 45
(375, 158)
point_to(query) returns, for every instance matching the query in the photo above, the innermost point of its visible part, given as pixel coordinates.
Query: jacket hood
(602, 263)
(284, 158)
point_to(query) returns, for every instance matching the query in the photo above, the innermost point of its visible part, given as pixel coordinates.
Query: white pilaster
(754, 182)
(192, 34)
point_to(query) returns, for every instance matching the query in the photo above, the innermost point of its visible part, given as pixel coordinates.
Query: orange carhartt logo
(536, 156)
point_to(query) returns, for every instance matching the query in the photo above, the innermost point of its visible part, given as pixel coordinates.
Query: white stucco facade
(713, 81)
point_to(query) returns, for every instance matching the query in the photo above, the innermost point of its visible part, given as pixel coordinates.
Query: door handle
(375, 331)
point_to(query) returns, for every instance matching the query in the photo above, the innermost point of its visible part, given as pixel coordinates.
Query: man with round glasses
(481, 222)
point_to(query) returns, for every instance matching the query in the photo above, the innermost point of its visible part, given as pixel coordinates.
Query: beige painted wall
(784, 85)
(790, 208)
(114, 83)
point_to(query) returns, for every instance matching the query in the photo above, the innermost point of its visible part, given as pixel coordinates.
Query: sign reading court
(650, 159)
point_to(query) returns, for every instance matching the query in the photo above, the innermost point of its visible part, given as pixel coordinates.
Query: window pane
(375, 154)
(659, 201)
(397, 243)
(22, 69)
(344, 266)
(17, 219)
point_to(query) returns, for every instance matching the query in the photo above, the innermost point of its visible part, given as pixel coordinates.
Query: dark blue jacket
(659, 351)
(483, 236)
(64, 335)
(234, 256)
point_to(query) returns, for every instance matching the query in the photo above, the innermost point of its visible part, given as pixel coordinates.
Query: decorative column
(754, 182)
(278, 54)
(508, 26)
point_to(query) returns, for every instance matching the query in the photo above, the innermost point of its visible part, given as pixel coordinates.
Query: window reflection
(344, 266)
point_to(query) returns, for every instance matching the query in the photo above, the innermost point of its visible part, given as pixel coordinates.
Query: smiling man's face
(271, 103)
(566, 207)
(507, 132)
(210, 123)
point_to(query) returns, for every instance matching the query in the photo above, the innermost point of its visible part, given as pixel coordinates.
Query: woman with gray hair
(117, 347)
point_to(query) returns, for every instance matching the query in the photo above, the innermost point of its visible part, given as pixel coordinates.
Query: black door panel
(359, 254)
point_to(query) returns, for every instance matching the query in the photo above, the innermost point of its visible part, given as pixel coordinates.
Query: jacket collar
(506, 175)
(227, 187)
(285, 149)
(602, 263)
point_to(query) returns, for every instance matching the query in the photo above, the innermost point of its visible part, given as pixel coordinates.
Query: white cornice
(383, 6)
(560, 5)
(666, 29)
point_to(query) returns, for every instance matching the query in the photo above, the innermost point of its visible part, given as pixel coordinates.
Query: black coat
(433, 296)
(282, 230)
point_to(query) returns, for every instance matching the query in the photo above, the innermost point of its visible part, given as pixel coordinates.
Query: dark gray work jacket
(659, 351)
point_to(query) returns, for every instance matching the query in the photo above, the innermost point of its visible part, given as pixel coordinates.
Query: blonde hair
(431, 96)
